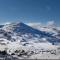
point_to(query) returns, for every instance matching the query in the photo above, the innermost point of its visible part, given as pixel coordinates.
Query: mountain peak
(21, 29)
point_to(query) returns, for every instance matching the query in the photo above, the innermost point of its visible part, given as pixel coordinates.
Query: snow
(11, 47)
(27, 45)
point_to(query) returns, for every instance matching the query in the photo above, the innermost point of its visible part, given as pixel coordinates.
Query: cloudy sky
(30, 11)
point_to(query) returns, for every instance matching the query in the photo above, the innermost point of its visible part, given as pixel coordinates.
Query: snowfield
(20, 41)
(31, 50)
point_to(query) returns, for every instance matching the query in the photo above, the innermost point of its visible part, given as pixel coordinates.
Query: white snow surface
(33, 49)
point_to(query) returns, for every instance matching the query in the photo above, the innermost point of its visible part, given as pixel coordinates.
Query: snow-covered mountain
(28, 33)
(49, 27)
(29, 38)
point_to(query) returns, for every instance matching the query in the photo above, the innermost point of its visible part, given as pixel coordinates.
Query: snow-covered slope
(24, 39)
(30, 33)
(49, 27)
